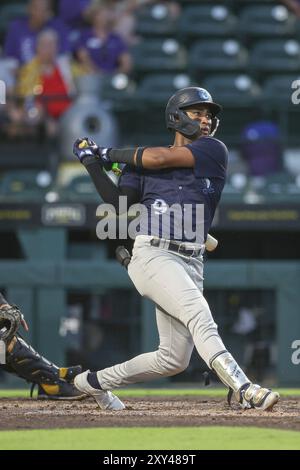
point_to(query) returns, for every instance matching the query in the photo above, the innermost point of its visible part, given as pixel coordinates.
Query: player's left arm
(150, 158)
(158, 158)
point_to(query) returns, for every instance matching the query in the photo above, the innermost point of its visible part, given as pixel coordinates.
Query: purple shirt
(70, 11)
(104, 53)
(20, 40)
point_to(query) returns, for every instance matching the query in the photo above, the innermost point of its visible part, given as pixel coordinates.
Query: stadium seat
(280, 187)
(266, 21)
(279, 99)
(275, 56)
(156, 89)
(80, 188)
(155, 20)
(25, 184)
(277, 90)
(119, 90)
(240, 96)
(159, 55)
(207, 20)
(218, 55)
(233, 89)
(10, 12)
(232, 194)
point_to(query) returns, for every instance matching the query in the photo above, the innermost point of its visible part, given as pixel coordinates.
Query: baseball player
(53, 382)
(164, 267)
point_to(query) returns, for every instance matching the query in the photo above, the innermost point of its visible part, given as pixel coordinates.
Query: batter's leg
(173, 282)
(172, 356)
(167, 279)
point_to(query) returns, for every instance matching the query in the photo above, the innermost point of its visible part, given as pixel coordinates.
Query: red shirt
(53, 84)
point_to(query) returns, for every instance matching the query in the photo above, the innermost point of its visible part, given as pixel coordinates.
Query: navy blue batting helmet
(177, 119)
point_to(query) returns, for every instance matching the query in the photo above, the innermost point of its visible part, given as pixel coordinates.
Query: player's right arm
(110, 193)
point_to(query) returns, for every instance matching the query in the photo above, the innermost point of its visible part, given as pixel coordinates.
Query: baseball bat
(211, 243)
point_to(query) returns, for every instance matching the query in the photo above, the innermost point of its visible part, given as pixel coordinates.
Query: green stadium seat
(80, 188)
(156, 89)
(277, 90)
(240, 96)
(233, 90)
(208, 20)
(159, 55)
(155, 20)
(10, 12)
(281, 187)
(119, 90)
(266, 21)
(275, 56)
(25, 185)
(277, 100)
(231, 194)
(218, 55)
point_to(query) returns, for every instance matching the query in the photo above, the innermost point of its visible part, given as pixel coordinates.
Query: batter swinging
(165, 268)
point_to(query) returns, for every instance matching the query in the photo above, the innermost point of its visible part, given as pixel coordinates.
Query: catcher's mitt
(10, 320)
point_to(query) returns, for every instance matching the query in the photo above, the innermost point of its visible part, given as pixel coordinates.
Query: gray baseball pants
(175, 284)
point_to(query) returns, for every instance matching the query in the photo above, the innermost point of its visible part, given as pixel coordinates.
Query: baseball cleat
(62, 390)
(105, 399)
(258, 397)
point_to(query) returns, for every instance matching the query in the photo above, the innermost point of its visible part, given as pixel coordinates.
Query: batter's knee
(172, 365)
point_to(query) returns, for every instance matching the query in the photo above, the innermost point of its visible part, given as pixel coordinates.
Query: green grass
(185, 438)
(139, 392)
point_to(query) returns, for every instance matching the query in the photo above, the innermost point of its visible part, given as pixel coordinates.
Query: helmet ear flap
(214, 126)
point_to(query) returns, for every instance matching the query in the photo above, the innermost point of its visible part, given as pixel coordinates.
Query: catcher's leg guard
(54, 382)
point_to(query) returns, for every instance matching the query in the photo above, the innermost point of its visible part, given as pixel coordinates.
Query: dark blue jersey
(185, 189)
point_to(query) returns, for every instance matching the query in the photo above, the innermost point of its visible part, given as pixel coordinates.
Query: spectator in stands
(74, 13)
(44, 86)
(261, 148)
(293, 5)
(20, 41)
(99, 48)
(125, 11)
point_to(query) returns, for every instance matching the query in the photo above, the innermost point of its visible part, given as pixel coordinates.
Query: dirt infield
(148, 411)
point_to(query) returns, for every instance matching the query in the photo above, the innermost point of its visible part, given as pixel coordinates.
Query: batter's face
(203, 115)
